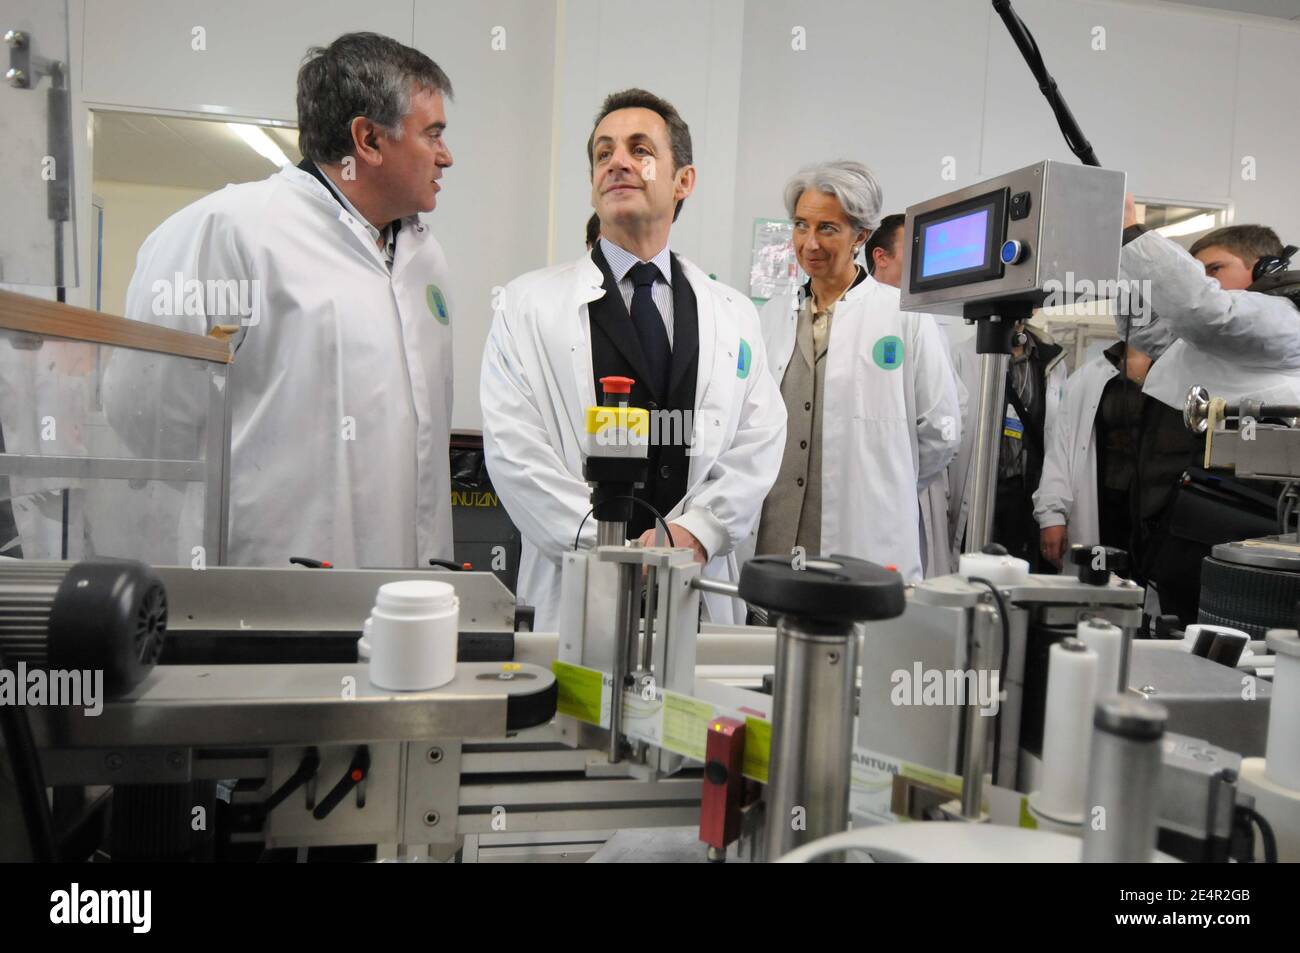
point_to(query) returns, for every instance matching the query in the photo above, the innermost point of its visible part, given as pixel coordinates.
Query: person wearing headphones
(1248, 258)
(1203, 324)
(1235, 341)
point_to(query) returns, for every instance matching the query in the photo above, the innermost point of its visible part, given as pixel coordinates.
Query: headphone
(1272, 264)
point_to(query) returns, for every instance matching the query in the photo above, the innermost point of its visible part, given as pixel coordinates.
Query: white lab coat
(537, 383)
(341, 383)
(961, 474)
(886, 432)
(1067, 491)
(1235, 343)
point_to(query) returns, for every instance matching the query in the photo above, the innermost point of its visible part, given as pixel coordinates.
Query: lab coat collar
(853, 290)
(310, 181)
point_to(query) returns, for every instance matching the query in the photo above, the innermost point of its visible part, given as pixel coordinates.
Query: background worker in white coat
(342, 380)
(884, 257)
(631, 308)
(1090, 469)
(869, 391)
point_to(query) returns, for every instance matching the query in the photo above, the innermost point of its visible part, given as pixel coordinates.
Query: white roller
(1107, 641)
(1067, 731)
(999, 570)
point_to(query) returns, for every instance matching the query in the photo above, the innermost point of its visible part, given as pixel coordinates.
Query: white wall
(689, 53)
(1178, 97)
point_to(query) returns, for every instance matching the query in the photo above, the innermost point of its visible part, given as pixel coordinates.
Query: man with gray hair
(870, 395)
(342, 380)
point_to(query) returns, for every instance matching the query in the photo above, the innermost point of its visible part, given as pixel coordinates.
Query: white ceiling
(1286, 9)
(184, 153)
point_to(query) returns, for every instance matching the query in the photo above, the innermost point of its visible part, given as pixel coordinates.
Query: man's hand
(680, 538)
(1053, 543)
(1130, 210)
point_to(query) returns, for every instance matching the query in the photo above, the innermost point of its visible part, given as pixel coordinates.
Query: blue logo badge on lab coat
(437, 304)
(746, 359)
(888, 353)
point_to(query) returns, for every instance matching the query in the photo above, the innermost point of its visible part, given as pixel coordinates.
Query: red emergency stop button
(617, 385)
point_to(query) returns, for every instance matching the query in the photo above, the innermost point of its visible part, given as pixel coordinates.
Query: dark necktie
(649, 324)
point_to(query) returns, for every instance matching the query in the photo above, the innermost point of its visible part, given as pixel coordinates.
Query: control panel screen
(958, 244)
(955, 245)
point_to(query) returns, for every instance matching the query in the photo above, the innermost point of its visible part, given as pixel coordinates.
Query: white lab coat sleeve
(1054, 498)
(938, 403)
(544, 499)
(721, 512)
(1239, 325)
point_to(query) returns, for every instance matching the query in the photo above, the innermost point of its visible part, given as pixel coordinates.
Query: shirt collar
(621, 261)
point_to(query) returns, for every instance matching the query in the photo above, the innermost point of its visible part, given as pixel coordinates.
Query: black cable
(653, 512)
(29, 781)
(1265, 833)
(1002, 668)
(1069, 126)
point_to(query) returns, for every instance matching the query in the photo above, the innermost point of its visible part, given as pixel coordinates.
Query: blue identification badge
(745, 360)
(1013, 428)
(437, 304)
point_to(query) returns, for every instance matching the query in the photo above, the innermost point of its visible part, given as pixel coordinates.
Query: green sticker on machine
(758, 749)
(579, 691)
(686, 725)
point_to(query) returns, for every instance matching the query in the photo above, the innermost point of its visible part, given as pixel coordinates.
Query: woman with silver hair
(871, 398)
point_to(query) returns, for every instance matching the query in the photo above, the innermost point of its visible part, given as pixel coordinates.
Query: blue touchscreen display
(956, 244)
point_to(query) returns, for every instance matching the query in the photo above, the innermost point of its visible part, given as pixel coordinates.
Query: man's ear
(685, 182)
(366, 141)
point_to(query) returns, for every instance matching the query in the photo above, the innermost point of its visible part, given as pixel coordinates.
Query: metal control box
(1049, 228)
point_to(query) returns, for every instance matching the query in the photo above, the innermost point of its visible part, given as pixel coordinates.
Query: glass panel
(105, 451)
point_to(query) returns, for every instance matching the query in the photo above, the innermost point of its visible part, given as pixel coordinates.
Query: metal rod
(629, 574)
(715, 585)
(977, 723)
(651, 611)
(609, 533)
(988, 438)
(812, 734)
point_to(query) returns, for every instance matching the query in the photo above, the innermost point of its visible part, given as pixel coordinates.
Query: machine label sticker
(676, 723)
(758, 749)
(888, 353)
(437, 304)
(745, 361)
(584, 693)
(686, 725)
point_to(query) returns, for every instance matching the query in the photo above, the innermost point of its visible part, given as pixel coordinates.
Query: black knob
(995, 549)
(1094, 564)
(833, 589)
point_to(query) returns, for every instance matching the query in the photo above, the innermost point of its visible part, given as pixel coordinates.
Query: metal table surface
(240, 705)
